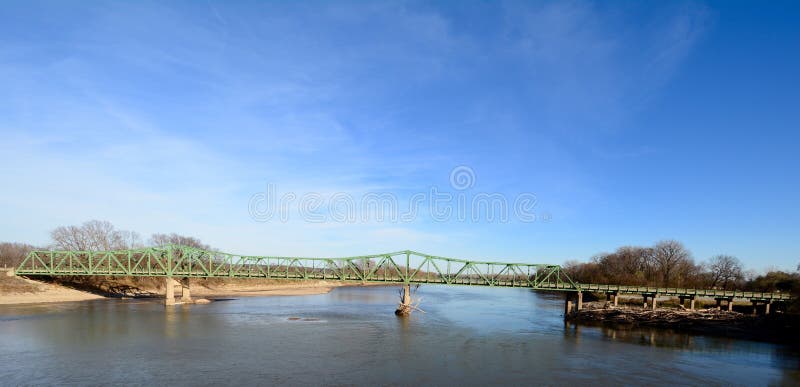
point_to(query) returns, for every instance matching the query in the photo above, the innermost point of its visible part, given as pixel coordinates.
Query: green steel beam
(397, 267)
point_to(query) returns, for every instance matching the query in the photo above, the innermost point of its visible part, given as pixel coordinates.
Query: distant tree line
(667, 263)
(670, 264)
(94, 235)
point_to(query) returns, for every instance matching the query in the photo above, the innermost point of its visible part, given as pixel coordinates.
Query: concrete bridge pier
(729, 301)
(767, 305)
(567, 306)
(612, 296)
(169, 298)
(651, 295)
(186, 295)
(683, 301)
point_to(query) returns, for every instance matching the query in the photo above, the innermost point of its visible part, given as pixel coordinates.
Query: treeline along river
(467, 336)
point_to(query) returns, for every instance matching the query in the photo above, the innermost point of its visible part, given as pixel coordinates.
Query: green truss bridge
(402, 267)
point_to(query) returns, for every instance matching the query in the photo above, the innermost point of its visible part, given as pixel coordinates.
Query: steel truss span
(399, 267)
(407, 267)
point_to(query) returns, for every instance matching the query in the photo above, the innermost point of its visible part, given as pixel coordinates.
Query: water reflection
(467, 336)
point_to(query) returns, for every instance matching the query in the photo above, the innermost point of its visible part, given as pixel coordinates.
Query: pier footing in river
(169, 294)
(569, 307)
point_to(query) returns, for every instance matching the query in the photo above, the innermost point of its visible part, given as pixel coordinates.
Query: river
(467, 336)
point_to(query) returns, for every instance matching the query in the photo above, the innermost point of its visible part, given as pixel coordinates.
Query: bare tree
(176, 239)
(627, 265)
(670, 258)
(12, 254)
(725, 271)
(94, 235)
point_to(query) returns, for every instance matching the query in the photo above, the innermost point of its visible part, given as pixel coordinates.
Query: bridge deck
(398, 267)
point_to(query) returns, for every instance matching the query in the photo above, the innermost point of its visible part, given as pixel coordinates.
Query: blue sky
(631, 122)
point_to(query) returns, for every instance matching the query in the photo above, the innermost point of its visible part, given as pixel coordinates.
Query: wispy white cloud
(161, 117)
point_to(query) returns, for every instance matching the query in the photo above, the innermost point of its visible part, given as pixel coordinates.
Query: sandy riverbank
(19, 290)
(255, 290)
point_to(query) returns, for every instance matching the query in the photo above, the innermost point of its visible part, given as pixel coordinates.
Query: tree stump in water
(404, 308)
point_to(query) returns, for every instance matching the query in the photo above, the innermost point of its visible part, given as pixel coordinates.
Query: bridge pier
(612, 297)
(651, 295)
(683, 301)
(573, 303)
(186, 295)
(729, 301)
(169, 297)
(767, 305)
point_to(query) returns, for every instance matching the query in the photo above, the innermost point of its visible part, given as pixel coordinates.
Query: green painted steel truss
(399, 267)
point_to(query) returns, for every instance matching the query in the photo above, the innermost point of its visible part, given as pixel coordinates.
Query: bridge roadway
(403, 267)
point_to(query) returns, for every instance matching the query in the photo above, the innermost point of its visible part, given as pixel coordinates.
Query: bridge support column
(691, 303)
(682, 301)
(186, 295)
(404, 309)
(755, 307)
(611, 297)
(655, 296)
(730, 304)
(766, 307)
(719, 303)
(580, 300)
(169, 298)
(644, 297)
(567, 306)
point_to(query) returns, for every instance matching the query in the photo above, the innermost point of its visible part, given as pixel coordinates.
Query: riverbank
(20, 290)
(777, 328)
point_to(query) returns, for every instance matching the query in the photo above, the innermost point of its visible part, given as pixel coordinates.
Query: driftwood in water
(775, 327)
(665, 317)
(406, 306)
